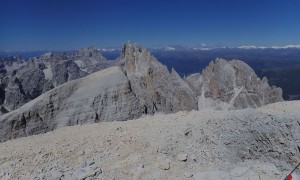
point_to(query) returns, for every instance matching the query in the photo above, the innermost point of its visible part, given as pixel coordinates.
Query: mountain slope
(139, 86)
(250, 143)
(114, 94)
(76, 102)
(23, 81)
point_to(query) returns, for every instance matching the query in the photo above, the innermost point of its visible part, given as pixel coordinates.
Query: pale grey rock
(241, 143)
(14, 95)
(42, 74)
(183, 96)
(88, 172)
(212, 175)
(5, 175)
(182, 157)
(234, 85)
(139, 86)
(8, 67)
(10, 64)
(90, 60)
(103, 96)
(238, 171)
(193, 157)
(187, 174)
(195, 82)
(25, 84)
(32, 81)
(164, 165)
(151, 82)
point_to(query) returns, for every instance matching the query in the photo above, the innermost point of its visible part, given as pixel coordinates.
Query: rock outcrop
(232, 85)
(139, 86)
(23, 81)
(90, 60)
(8, 66)
(153, 85)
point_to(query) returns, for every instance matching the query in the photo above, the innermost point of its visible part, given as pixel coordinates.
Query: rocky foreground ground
(239, 144)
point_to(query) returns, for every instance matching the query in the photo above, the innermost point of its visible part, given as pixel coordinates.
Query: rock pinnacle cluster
(57, 90)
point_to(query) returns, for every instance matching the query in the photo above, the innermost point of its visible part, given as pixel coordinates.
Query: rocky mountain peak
(10, 64)
(140, 85)
(90, 52)
(234, 84)
(43, 73)
(137, 60)
(156, 88)
(53, 57)
(130, 49)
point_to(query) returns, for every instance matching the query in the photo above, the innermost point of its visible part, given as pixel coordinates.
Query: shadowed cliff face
(140, 85)
(23, 81)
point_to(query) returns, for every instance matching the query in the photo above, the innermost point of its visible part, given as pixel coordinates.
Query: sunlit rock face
(233, 85)
(154, 86)
(138, 86)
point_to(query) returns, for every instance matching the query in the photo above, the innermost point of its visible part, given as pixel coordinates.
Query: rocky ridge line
(139, 86)
(23, 81)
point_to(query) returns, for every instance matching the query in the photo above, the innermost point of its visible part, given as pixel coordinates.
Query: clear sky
(71, 24)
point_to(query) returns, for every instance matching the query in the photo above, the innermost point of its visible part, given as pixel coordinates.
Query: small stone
(142, 166)
(188, 174)
(193, 157)
(98, 171)
(187, 132)
(281, 140)
(88, 172)
(164, 165)
(182, 157)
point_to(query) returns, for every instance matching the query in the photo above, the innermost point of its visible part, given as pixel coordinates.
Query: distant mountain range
(70, 88)
(279, 64)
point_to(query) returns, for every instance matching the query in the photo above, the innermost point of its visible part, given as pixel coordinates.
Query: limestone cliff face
(195, 82)
(90, 60)
(139, 86)
(41, 74)
(102, 96)
(154, 86)
(233, 85)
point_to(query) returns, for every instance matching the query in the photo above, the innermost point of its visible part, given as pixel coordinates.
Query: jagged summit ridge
(155, 87)
(137, 86)
(23, 81)
(234, 84)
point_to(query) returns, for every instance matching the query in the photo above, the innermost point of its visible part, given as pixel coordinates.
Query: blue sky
(72, 24)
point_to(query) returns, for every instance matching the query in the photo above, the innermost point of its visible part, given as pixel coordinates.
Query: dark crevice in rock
(154, 107)
(96, 117)
(23, 122)
(145, 110)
